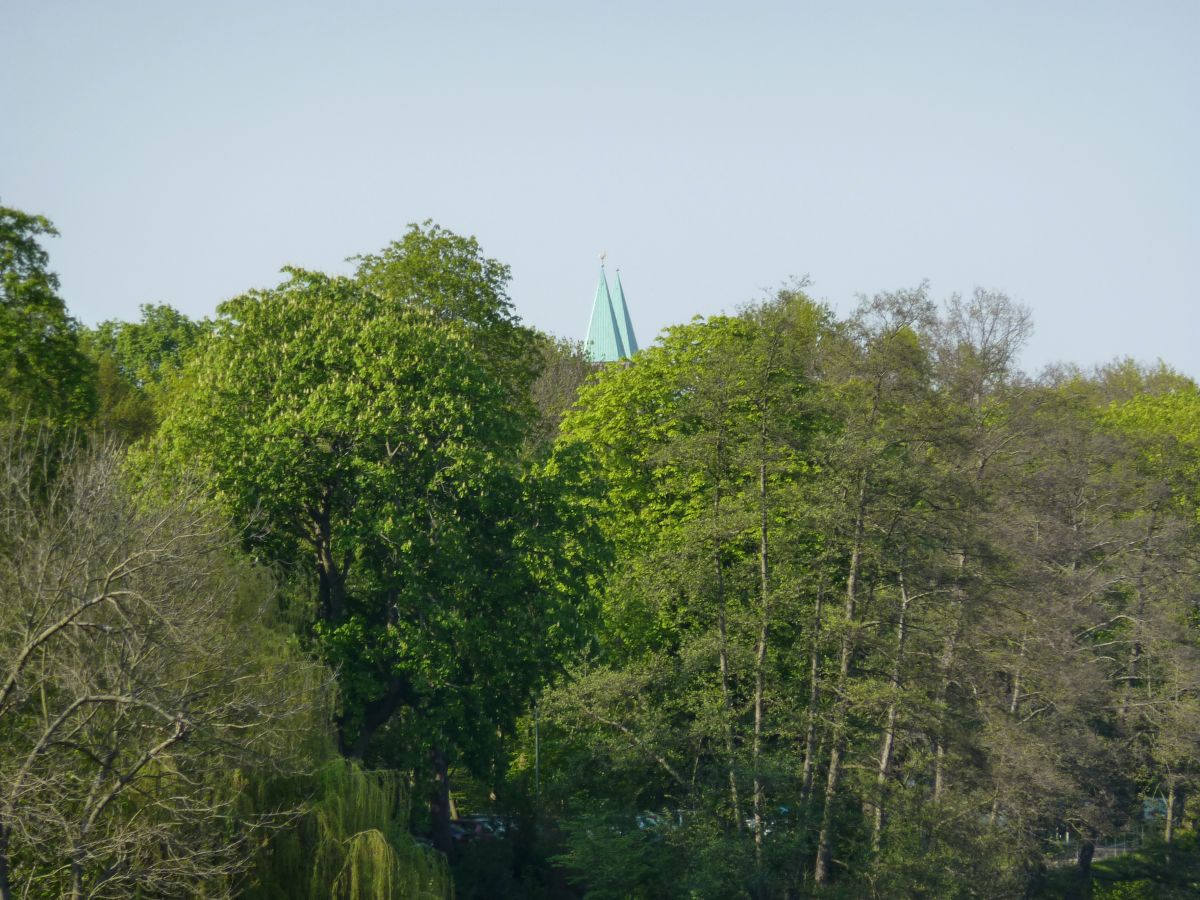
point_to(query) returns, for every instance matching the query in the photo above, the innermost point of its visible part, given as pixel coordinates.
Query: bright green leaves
(136, 362)
(320, 395)
(1166, 428)
(449, 276)
(369, 431)
(148, 350)
(677, 436)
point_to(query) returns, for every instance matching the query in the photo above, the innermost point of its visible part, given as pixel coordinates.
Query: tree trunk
(726, 701)
(331, 579)
(814, 699)
(760, 661)
(947, 664)
(375, 715)
(439, 804)
(939, 755)
(822, 872)
(1087, 849)
(1136, 650)
(5, 888)
(1014, 702)
(723, 658)
(76, 880)
(1169, 830)
(889, 730)
(331, 587)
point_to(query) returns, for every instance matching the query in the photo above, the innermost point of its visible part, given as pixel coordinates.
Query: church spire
(604, 342)
(610, 332)
(621, 314)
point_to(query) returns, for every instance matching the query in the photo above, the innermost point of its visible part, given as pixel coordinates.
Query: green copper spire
(621, 314)
(604, 342)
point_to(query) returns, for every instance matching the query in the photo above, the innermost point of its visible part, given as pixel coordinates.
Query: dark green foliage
(564, 369)
(348, 840)
(518, 865)
(43, 374)
(619, 855)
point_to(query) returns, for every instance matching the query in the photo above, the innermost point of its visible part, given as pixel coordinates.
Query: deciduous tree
(368, 431)
(140, 683)
(43, 373)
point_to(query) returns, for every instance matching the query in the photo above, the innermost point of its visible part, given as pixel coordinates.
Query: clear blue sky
(1051, 150)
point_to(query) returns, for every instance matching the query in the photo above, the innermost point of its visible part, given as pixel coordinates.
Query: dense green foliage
(364, 434)
(787, 605)
(134, 362)
(885, 631)
(43, 373)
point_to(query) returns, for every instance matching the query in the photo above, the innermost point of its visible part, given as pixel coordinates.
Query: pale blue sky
(1051, 150)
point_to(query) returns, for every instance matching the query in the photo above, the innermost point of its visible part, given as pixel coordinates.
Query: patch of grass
(1147, 874)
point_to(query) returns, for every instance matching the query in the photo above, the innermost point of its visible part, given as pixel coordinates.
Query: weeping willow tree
(351, 843)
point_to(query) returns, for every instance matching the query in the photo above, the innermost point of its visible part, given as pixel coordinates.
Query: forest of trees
(364, 589)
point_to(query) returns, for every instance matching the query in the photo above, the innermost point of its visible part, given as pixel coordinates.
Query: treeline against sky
(788, 605)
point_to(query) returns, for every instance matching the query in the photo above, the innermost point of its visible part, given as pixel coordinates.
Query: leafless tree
(139, 682)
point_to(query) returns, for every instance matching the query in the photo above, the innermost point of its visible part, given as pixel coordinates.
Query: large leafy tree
(364, 436)
(43, 373)
(706, 445)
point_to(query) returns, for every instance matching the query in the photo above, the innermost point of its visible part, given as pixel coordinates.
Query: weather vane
(603, 254)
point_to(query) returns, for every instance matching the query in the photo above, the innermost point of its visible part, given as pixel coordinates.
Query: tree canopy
(364, 589)
(368, 438)
(43, 373)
